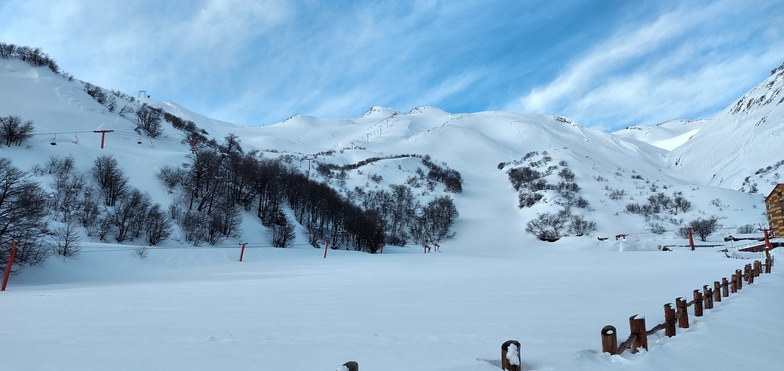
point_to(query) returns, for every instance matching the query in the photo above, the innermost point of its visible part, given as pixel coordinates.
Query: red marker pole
(326, 247)
(8, 267)
(691, 239)
(242, 252)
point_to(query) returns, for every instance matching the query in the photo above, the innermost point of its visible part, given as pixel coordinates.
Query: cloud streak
(674, 66)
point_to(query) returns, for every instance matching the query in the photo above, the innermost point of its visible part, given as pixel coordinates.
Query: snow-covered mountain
(737, 149)
(709, 162)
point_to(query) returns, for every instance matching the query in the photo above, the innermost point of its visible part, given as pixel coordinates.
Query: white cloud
(589, 69)
(680, 65)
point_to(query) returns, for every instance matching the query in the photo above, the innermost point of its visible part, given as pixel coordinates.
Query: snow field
(202, 309)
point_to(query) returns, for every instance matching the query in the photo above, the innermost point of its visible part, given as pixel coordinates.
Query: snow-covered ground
(291, 309)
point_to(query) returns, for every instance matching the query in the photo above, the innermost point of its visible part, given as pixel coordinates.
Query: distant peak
(426, 109)
(379, 111)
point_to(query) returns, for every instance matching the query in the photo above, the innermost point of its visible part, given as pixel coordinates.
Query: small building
(774, 208)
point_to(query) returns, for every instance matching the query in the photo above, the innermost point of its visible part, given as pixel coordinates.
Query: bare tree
(704, 227)
(129, 215)
(66, 239)
(436, 219)
(14, 131)
(110, 179)
(282, 231)
(157, 226)
(548, 226)
(680, 203)
(149, 121)
(22, 216)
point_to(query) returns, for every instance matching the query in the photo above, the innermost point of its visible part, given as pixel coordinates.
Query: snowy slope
(667, 135)
(741, 140)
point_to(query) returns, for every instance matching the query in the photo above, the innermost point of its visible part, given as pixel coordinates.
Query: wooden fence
(703, 299)
(673, 317)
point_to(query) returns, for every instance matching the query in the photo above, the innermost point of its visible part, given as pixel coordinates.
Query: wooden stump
(707, 297)
(609, 340)
(669, 320)
(637, 326)
(510, 355)
(725, 291)
(716, 291)
(697, 303)
(683, 309)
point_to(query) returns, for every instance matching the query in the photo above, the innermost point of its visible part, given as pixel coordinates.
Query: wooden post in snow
(725, 292)
(697, 303)
(637, 325)
(349, 366)
(707, 295)
(683, 309)
(716, 291)
(669, 320)
(510, 355)
(734, 283)
(609, 340)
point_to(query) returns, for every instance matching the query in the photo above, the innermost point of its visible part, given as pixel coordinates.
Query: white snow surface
(200, 308)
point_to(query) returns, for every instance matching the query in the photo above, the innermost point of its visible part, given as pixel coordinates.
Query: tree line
(42, 222)
(34, 56)
(221, 180)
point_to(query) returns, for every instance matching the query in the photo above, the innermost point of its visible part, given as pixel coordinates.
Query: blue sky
(605, 64)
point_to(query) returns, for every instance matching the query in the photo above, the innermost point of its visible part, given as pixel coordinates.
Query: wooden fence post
(697, 303)
(683, 309)
(725, 292)
(669, 320)
(749, 272)
(510, 355)
(707, 297)
(349, 366)
(740, 279)
(757, 268)
(734, 283)
(609, 340)
(768, 264)
(637, 325)
(716, 291)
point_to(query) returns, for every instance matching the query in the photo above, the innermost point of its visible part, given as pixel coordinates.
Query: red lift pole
(8, 267)
(103, 134)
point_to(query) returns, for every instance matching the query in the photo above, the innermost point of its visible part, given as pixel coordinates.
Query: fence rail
(702, 299)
